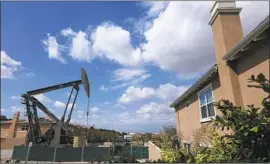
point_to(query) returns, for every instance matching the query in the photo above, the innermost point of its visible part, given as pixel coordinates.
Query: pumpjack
(60, 132)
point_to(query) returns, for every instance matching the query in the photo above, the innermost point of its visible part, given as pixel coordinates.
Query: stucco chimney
(13, 127)
(227, 31)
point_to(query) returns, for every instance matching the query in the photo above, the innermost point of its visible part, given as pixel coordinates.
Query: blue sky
(139, 56)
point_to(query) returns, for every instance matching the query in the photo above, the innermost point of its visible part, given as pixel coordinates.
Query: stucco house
(237, 58)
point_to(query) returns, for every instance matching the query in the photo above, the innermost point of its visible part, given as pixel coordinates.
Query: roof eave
(206, 76)
(252, 36)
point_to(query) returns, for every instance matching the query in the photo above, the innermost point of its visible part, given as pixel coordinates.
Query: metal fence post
(54, 155)
(82, 154)
(28, 151)
(141, 152)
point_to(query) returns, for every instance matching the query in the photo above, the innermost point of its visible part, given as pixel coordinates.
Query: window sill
(208, 119)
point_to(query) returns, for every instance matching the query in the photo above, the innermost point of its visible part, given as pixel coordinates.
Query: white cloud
(59, 105)
(177, 37)
(118, 105)
(156, 111)
(127, 74)
(103, 88)
(169, 91)
(180, 39)
(8, 66)
(154, 8)
(16, 109)
(53, 111)
(148, 113)
(5, 59)
(155, 108)
(68, 93)
(70, 105)
(2, 110)
(28, 75)
(132, 82)
(15, 97)
(127, 83)
(183, 27)
(53, 48)
(81, 47)
(164, 92)
(114, 120)
(107, 103)
(258, 10)
(114, 43)
(42, 98)
(133, 94)
(80, 114)
(7, 72)
(68, 32)
(95, 111)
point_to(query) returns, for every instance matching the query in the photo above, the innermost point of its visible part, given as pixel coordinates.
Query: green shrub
(176, 156)
(248, 142)
(250, 139)
(219, 151)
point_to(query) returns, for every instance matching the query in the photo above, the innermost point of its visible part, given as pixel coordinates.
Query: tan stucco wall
(5, 130)
(154, 152)
(8, 143)
(20, 134)
(254, 61)
(189, 118)
(5, 126)
(4, 133)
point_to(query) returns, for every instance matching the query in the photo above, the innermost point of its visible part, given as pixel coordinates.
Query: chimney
(13, 127)
(227, 31)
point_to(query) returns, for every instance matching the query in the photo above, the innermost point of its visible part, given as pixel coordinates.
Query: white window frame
(198, 94)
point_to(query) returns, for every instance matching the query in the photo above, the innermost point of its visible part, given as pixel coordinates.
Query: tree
(169, 130)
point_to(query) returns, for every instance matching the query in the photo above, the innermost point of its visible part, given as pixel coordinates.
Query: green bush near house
(248, 142)
(176, 156)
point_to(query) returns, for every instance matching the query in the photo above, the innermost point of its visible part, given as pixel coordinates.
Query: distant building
(129, 136)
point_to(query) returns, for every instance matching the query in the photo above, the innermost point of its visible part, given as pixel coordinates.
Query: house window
(206, 103)
(25, 127)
